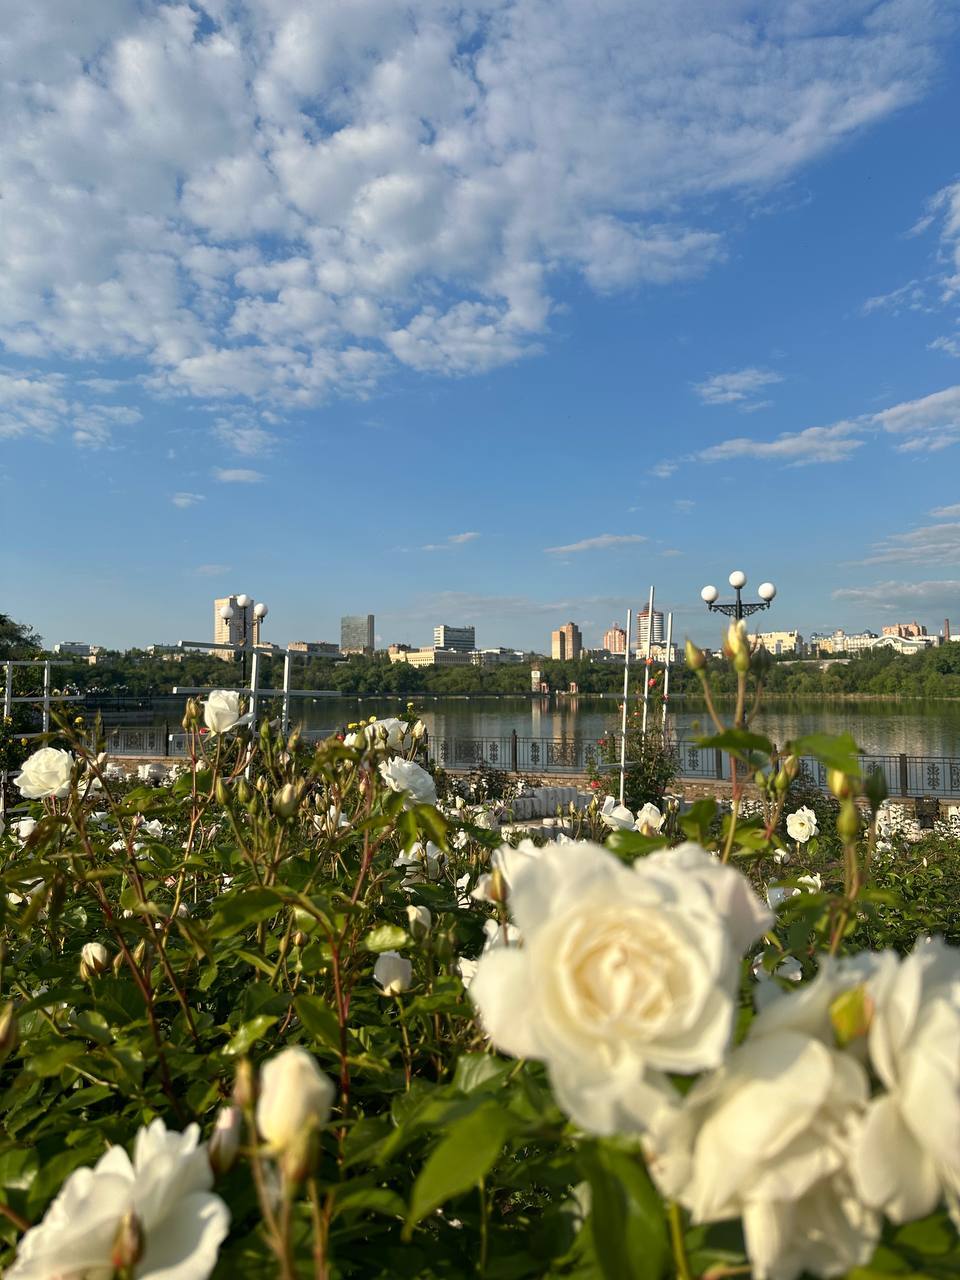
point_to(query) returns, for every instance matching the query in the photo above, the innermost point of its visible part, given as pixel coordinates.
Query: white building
(462, 639)
(780, 642)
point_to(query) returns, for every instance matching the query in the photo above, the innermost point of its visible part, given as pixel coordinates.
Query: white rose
(294, 1094)
(625, 973)
(166, 1188)
(224, 1145)
(94, 958)
(802, 825)
(420, 864)
(24, 828)
(907, 1158)
(153, 828)
(419, 921)
(407, 777)
(392, 972)
(781, 857)
(767, 1138)
(221, 710)
(616, 816)
(506, 861)
(650, 820)
(378, 733)
(47, 773)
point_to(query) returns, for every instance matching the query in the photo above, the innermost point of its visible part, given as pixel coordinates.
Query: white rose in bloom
(650, 820)
(407, 777)
(907, 1158)
(625, 973)
(47, 773)
(781, 857)
(294, 1094)
(392, 972)
(24, 828)
(419, 921)
(802, 825)
(167, 1188)
(153, 828)
(780, 893)
(767, 1138)
(221, 710)
(616, 816)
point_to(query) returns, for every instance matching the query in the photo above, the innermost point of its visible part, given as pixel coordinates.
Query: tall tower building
(243, 625)
(356, 634)
(462, 639)
(615, 639)
(643, 627)
(566, 643)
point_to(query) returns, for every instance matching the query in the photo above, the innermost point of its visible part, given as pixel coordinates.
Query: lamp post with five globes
(248, 612)
(739, 608)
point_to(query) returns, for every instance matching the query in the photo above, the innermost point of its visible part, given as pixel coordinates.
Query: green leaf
(629, 1227)
(249, 1033)
(387, 938)
(246, 907)
(318, 1019)
(836, 751)
(52, 1061)
(475, 1070)
(697, 823)
(464, 1156)
(739, 742)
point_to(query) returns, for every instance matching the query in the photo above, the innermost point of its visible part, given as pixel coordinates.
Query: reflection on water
(914, 728)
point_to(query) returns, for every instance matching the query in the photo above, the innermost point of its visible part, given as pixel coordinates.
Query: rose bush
(404, 1048)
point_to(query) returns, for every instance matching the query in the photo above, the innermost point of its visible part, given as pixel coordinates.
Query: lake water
(879, 728)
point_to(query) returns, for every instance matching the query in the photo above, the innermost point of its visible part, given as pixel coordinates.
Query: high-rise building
(780, 642)
(566, 643)
(643, 627)
(462, 639)
(244, 625)
(356, 634)
(615, 639)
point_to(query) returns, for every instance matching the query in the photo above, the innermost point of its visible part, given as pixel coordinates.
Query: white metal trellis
(256, 693)
(45, 700)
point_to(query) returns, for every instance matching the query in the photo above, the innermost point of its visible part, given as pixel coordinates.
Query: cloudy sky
(492, 312)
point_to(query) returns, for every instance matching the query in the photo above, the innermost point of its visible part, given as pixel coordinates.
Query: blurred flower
(419, 921)
(420, 864)
(392, 972)
(650, 820)
(616, 816)
(384, 733)
(224, 1144)
(294, 1095)
(161, 1202)
(47, 773)
(94, 959)
(23, 828)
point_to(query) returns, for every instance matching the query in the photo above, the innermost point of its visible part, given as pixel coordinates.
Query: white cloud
(42, 404)
(237, 475)
(599, 543)
(932, 542)
(739, 387)
(186, 499)
(281, 199)
(911, 296)
(930, 423)
(897, 597)
(211, 570)
(793, 448)
(244, 435)
(946, 513)
(454, 540)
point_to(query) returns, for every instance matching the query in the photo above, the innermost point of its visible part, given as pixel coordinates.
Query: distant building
(463, 639)
(643, 627)
(865, 641)
(356, 634)
(566, 643)
(615, 639)
(430, 657)
(904, 630)
(496, 657)
(77, 649)
(314, 648)
(780, 642)
(244, 625)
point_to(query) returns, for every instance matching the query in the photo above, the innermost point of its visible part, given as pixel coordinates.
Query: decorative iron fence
(934, 776)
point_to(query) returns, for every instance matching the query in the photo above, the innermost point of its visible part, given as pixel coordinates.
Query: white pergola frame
(45, 699)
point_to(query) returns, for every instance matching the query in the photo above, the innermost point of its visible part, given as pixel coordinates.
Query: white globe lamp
(226, 612)
(737, 579)
(766, 591)
(709, 594)
(260, 610)
(243, 601)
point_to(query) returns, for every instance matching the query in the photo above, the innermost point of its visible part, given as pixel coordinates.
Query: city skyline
(502, 336)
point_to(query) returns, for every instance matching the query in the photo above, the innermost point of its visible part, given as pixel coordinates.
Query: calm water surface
(915, 728)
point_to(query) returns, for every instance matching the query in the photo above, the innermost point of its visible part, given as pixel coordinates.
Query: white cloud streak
(185, 500)
(600, 543)
(739, 387)
(898, 597)
(237, 475)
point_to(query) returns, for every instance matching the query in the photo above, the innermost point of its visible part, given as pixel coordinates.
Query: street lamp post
(739, 608)
(248, 612)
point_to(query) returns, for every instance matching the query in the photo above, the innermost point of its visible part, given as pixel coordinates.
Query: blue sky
(491, 313)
